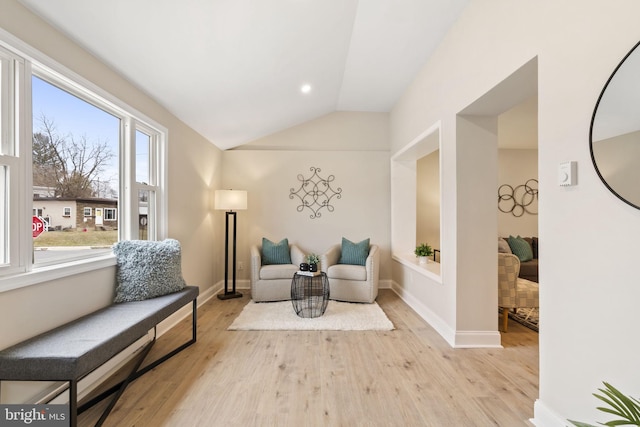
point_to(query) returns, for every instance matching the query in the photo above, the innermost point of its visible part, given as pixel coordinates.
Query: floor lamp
(230, 201)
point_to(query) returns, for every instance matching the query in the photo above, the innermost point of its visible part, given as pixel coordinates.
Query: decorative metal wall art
(520, 199)
(315, 193)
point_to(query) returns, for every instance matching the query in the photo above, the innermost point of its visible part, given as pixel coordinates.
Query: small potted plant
(313, 260)
(422, 252)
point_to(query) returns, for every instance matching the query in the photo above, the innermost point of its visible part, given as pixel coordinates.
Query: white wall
(359, 167)
(194, 171)
(337, 131)
(516, 167)
(476, 298)
(577, 45)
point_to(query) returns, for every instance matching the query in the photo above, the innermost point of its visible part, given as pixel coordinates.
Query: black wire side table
(310, 294)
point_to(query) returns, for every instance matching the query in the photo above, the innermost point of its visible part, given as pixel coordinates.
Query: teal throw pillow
(354, 253)
(520, 248)
(275, 253)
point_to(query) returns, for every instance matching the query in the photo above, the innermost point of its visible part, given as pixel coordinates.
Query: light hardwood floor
(406, 377)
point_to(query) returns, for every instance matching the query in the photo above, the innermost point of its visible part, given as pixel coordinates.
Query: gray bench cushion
(75, 349)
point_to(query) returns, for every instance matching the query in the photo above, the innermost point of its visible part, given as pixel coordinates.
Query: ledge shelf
(430, 270)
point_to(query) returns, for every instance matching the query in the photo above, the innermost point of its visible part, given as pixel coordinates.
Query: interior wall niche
(415, 195)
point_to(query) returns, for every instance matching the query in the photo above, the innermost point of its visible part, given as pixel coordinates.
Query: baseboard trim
(385, 284)
(426, 313)
(185, 311)
(477, 339)
(456, 339)
(543, 416)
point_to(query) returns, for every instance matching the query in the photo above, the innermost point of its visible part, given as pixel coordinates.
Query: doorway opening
(497, 145)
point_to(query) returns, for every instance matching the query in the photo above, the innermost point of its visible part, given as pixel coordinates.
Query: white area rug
(339, 316)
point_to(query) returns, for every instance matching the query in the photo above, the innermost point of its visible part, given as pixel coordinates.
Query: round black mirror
(614, 137)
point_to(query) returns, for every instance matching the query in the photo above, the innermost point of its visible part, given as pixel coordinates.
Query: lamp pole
(228, 294)
(230, 200)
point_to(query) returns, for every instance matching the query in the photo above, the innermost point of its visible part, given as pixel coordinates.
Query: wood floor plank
(408, 376)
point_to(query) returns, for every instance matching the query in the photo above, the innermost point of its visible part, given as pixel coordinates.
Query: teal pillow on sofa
(275, 253)
(520, 248)
(354, 253)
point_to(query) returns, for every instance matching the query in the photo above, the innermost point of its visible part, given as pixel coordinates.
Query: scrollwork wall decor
(520, 199)
(315, 193)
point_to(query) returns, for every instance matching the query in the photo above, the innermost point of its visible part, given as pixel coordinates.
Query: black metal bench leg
(135, 374)
(125, 383)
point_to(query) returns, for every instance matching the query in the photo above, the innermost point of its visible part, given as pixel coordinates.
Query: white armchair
(273, 282)
(352, 283)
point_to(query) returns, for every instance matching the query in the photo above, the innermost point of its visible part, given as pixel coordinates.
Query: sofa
(528, 256)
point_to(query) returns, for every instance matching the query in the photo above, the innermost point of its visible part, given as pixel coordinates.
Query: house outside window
(33, 91)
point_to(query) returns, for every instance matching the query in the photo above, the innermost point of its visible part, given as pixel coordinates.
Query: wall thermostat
(567, 174)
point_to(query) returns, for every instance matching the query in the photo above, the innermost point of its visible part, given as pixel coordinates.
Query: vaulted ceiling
(233, 69)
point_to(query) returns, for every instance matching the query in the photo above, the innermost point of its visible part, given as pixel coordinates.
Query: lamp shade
(231, 200)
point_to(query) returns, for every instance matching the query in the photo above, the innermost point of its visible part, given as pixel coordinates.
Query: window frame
(84, 212)
(21, 271)
(12, 157)
(105, 216)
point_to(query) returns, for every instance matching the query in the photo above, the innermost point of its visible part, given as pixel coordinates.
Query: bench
(72, 351)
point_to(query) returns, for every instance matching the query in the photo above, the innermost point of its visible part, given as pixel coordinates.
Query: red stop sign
(37, 226)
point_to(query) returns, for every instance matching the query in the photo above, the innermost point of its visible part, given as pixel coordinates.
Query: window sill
(53, 272)
(430, 270)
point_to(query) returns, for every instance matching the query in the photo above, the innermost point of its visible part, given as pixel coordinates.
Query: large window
(11, 84)
(76, 158)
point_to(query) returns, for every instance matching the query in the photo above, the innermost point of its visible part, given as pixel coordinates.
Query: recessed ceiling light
(306, 88)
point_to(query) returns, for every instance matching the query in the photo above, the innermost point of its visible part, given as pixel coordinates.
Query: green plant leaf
(622, 405)
(579, 424)
(619, 423)
(626, 407)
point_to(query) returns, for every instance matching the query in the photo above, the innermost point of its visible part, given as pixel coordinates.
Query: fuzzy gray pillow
(147, 269)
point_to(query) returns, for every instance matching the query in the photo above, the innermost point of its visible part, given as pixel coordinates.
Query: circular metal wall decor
(520, 199)
(315, 193)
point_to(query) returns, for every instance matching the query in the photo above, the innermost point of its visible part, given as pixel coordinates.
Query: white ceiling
(232, 69)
